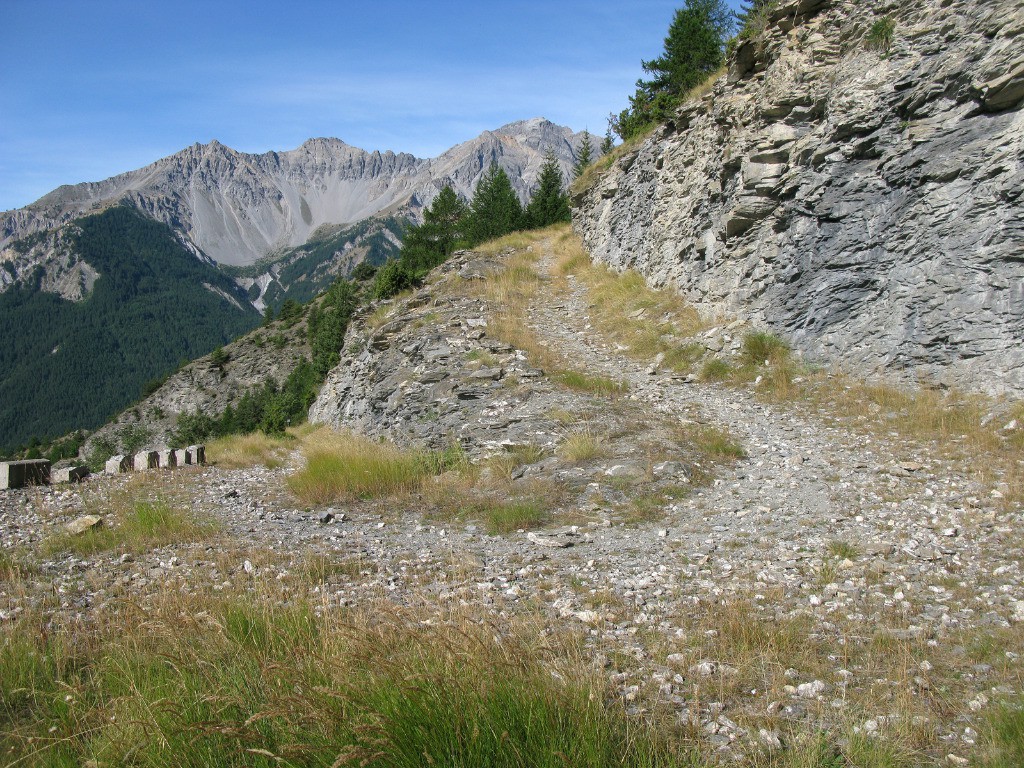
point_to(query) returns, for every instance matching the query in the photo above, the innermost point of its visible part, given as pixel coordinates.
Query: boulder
(84, 523)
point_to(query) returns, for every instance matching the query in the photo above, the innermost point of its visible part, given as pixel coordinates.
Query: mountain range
(248, 230)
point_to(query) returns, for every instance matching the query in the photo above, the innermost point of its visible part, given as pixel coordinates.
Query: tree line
(450, 223)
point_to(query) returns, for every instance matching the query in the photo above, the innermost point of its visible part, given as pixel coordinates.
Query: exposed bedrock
(865, 204)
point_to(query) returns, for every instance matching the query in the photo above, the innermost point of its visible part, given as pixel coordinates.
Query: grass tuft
(511, 517)
(843, 549)
(763, 349)
(714, 442)
(603, 386)
(344, 466)
(581, 445)
(715, 369)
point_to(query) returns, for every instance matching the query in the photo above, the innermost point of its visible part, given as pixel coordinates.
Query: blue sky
(91, 88)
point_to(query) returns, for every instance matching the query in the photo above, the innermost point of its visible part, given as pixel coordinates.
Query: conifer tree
(693, 49)
(608, 144)
(495, 209)
(584, 156)
(549, 203)
(430, 243)
(751, 16)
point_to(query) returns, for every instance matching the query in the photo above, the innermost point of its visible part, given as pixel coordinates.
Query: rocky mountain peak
(237, 207)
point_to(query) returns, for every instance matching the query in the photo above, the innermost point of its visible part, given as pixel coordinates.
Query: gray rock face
(431, 377)
(866, 205)
(237, 208)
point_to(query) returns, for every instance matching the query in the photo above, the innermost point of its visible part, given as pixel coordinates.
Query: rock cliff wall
(863, 201)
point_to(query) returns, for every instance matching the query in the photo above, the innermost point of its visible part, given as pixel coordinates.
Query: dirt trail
(807, 490)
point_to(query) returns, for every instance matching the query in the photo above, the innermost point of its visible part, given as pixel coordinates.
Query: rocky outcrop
(865, 203)
(428, 374)
(207, 385)
(238, 208)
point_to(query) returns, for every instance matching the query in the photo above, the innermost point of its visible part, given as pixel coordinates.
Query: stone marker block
(197, 454)
(117, 464)
(69, 474)
(18, 474)
(146, 460)
(167, 459)
(181, 457)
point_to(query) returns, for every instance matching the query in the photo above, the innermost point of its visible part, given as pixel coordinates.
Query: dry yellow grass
(648, 322)
(510, 291)
(238, 451)
(343, 466)
(581, 444)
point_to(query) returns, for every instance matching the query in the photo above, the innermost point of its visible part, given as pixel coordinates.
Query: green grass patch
(715, 369)
(762, 349)
(602, 386)
(1003, 738)
(345, 466)
(511, 517)
(715, 443)
(843, 549)
(242, 682)
(143, 525)
(12, 566)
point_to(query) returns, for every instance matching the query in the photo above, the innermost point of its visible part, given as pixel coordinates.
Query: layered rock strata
(859, 197)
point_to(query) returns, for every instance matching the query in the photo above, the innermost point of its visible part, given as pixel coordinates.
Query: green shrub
(394, 277)
(881, 34)
(364, 271)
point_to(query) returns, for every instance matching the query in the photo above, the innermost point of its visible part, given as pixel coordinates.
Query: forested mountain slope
(151, 304)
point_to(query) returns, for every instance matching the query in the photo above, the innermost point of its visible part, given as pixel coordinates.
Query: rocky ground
(830, 578)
